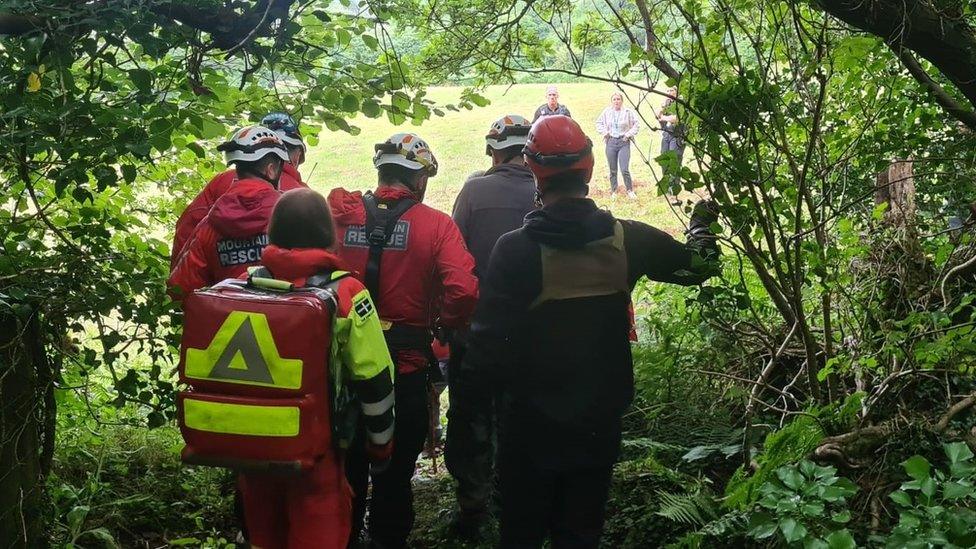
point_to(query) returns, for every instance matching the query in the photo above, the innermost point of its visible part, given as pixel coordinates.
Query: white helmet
(406, 149)
(252, 143)
(506, 132)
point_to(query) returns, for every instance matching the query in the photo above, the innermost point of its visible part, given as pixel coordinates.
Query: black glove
(699, 233)
(703, 215)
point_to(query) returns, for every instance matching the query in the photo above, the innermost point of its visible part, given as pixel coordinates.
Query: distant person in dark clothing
(487, 207)
(672, 138)
(496, 202)
(551, 106)
(551, 333)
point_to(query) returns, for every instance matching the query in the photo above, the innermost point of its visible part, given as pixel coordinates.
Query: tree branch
(947, 42)
(957, 111)
(651, 45)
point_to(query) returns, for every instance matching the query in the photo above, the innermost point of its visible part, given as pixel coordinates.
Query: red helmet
(557, 146)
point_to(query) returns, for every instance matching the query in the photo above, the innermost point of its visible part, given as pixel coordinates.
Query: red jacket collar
(385, 192)
(297, 264)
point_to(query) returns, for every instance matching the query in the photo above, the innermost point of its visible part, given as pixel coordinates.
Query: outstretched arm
(660, 257)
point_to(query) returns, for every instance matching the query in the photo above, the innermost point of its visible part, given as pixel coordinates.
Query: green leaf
(815, 543)
(370, 41)
(958, 452)
(792, 530)
(790, 477)
(813, 509)
(128, 173)
(841, 539)
(901, 498)
(197, 149)
(103, 535)
(371, 108)
(76, 517)
(917, 467)
(155, 419)
(142, 79)
(183, 541)
(761, 526)
(842, 517)
(479, 100)
(350, 103)
(929, 487)
(955, 490)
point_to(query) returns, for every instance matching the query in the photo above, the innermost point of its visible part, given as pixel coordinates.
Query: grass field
(457, 139)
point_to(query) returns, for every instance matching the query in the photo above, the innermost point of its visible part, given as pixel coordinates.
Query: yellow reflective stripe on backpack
(241, 419)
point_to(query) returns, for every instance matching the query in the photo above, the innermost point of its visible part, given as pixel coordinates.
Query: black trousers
(470, 451)
(567, 506)
(391, 513)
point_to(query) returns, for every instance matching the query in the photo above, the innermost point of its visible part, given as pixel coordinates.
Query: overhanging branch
(957, 111)
(947, 42)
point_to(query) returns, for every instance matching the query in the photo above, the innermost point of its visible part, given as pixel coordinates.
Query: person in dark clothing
(486, 208)
(551, 107)
(551, 333)
(496, 202)
(672, 139)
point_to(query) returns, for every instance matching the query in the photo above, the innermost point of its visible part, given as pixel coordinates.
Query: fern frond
(691, 509)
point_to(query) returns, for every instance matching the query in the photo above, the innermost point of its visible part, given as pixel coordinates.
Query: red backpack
(255, 357)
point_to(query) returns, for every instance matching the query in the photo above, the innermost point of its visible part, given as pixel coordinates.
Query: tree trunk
(21, 410)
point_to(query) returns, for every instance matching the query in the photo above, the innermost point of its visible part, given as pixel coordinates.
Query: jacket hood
(347, 207)
(245, 208)
(288, 170)
(569, 223)
(298, 263)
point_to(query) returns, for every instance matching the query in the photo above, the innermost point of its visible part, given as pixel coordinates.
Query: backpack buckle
(377, 237)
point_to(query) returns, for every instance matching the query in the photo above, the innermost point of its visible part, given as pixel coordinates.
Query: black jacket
(492, 205)
(551, 327)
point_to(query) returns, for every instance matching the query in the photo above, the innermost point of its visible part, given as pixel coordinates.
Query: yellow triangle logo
(244, 351)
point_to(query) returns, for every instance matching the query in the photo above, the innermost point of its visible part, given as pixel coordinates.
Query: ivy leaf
(842, 517)
(790, 477)
(155, 419)
(841, 539)
(917, 467)
(901, 498)
(792, 530)
(761, 526)
(958, 452)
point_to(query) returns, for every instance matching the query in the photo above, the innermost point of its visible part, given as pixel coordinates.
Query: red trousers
(311, 510)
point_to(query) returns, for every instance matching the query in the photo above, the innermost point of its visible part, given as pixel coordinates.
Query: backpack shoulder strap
(326, 287)
(381, 220)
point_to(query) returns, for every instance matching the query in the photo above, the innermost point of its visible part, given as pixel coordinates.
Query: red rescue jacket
(229, 239)
(197, 209)
(428, 277)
